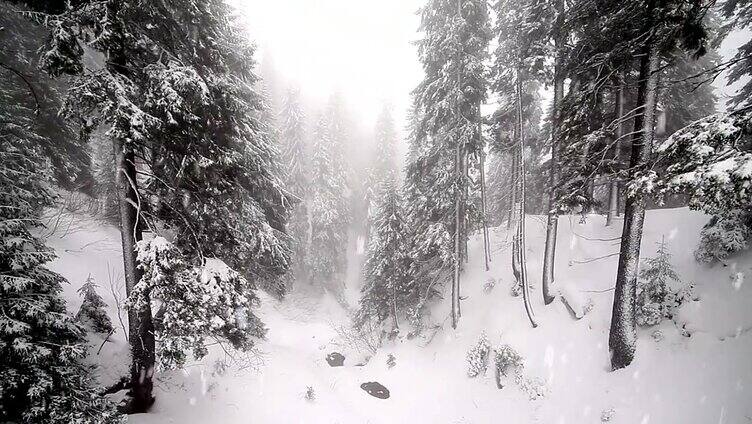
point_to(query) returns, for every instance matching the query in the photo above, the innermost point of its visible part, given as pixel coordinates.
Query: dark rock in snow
(375, 389)
(335, 359)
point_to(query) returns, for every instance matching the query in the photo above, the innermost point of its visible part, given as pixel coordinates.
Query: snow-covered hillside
(703, 378)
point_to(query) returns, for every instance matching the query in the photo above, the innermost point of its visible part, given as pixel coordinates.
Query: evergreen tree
(384, 167)
(297, 173)
(449, 139)
(655, 297)
(192, 153)
(58, 138)
(669, 25)
(328, 206)
(388, 290)
(739, 16)
(518, 63)
(43, 379)
(210, 301)
(92, 313)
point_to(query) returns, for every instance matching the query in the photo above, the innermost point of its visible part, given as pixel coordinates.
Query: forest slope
(704, 378)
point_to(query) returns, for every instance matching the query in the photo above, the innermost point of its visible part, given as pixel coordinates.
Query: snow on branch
(710, 160)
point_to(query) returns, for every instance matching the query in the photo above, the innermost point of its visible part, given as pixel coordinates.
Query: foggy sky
(361, 49)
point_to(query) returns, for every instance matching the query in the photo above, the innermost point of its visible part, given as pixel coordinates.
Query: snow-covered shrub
(607, 415)
(516, 288)
(477, 357)
(193, 304)
(534, 387)
(489, 285)
(92, 314)
(391, 361)
(310, 394)
(725, 235)
(506, 361)
(651, 313)
(659, 290)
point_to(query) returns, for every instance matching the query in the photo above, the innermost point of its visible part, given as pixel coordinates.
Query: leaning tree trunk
(518, 246)
(140, 325)
(613, 188)
(552, 224)
(622, 338)
(512, 189)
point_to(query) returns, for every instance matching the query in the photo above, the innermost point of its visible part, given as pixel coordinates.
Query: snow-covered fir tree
(518, 63)
(739, 17)
(389, 291)
(673, 27)
(43, 378)
(447, 143)
(192, 151)
(328, 208)
(296, 162)
(92, 313)
(726, 233)
(478, 356)
(654, 290)
(209, 301)
(384, 166)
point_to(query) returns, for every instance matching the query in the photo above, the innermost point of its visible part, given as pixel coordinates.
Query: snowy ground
(705, 378)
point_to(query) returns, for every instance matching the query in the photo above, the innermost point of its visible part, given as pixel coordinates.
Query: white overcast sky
(360, 49)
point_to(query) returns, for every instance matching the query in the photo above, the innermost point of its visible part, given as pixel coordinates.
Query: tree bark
(552, 223)
(512, 189)
(457, 239)
(623, 333)
(140, 325)
(484, 223)
(518, 247)
(613, 189)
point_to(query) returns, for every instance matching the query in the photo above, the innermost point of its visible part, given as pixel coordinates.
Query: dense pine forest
(439, 211)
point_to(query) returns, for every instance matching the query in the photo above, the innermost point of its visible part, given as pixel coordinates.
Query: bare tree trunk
(457, 239)
(394, 307)
(140, 325)
(465, 223)
(518, 247)
(552, 223)
(613, 189)
(512, 190)
(623, 333)
(484, 223)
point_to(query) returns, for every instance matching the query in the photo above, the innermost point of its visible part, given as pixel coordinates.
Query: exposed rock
(335, 359)
(375, 389)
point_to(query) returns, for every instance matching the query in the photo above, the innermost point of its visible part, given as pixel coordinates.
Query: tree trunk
(518, 247)
(552, 223)
(140, 325)
(613, 189)
(457, 239)
(512, 189)
(484, 223)
(394, 307)
(463, 218)
(623, 333)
